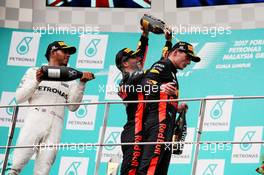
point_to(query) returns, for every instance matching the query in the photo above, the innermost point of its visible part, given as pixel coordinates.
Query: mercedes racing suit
(159, 119)
(43, 125)
(130, 91)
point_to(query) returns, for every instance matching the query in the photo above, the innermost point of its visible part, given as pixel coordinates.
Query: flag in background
(197, 3)
(101, 3)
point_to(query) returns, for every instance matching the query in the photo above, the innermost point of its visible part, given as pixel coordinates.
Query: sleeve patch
(152, 82)
(155, 71)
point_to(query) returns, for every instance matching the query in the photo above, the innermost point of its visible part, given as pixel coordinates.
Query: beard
(136, 67)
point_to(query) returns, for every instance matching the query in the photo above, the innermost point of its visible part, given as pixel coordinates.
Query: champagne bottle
(60, 73)
(180, 132)
(153, 24)
(260, 169)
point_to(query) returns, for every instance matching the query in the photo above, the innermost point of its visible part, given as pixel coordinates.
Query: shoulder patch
(65, 84)
(155, 71)
(153, 82)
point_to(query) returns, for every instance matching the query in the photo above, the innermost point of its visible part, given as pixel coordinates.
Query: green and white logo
(73, 168)
(210, 169)
(8, 98)
(84, 117)
(10, 110)
(112, 138)
(247, 138)
(217, 110)
(113, 80)
(247, 152)
(217, 114)
(117, 79)
(82, 110)
(23, 47)
(91, 49)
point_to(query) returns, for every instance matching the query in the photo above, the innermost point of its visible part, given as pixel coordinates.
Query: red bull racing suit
(159, 119)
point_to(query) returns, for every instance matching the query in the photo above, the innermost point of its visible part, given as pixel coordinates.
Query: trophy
(153, 24)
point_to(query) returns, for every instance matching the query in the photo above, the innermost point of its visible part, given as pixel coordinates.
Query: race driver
(43, 125)
(160, 117)
(130, 63)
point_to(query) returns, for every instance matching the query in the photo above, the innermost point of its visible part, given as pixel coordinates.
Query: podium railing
(105, 119)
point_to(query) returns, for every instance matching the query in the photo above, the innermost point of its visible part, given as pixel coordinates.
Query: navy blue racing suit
(133, 129)
(159, 119)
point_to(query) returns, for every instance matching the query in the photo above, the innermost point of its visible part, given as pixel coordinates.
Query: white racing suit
(43, 125)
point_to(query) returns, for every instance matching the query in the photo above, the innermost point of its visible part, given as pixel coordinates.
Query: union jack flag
(101, 3)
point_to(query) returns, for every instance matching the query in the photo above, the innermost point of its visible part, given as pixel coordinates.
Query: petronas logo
(246, 138)
(10, 110)
(91, 49)
(73, 168)
(23, 46)
(117, 79)
(210, 169)
(112, 138)
(82, 110)
(217, 110)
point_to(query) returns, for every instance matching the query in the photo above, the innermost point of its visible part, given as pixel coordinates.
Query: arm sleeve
(166, 49)
(27, 86)
(135, 77)
(75, 94)
(142, 49)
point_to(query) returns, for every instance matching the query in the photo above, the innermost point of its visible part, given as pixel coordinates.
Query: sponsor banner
(23, 49)
(112, 135)
(209, 53)
(8, 98)
(218, 114)
(92, 51)
(247, 153)
(84, 117)
(73, 165)
(114, 78)
(210, 167)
